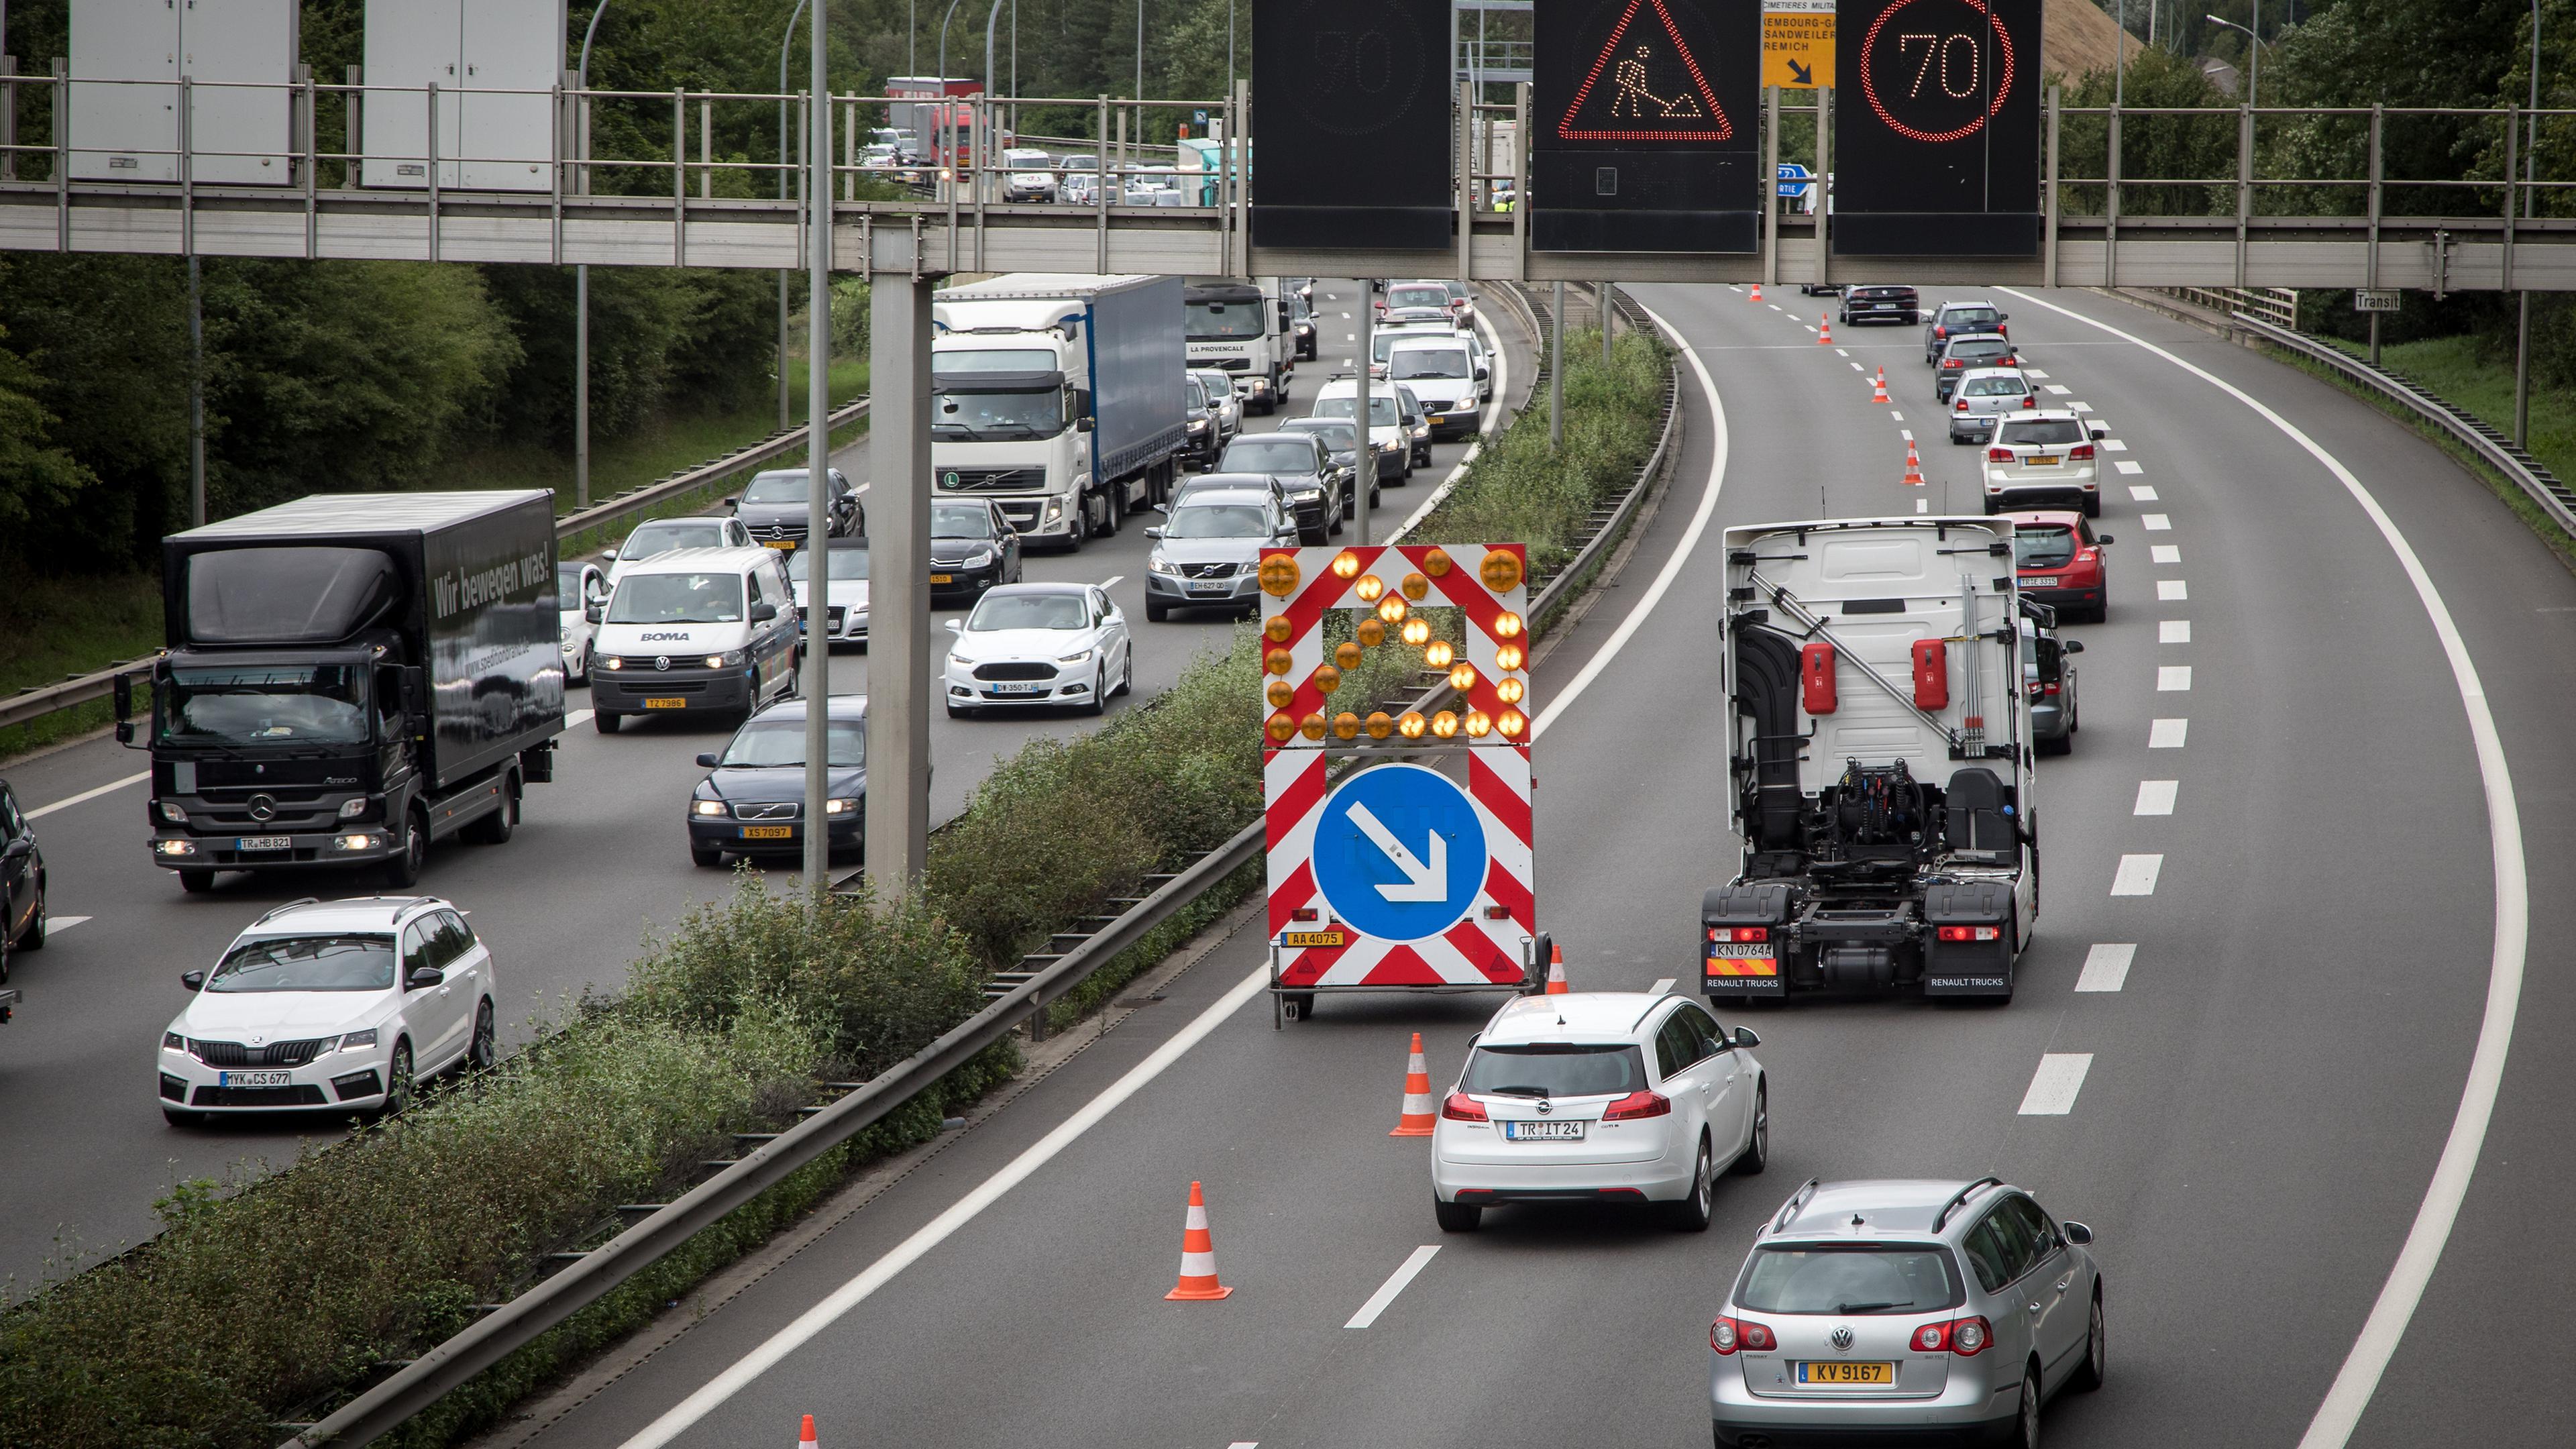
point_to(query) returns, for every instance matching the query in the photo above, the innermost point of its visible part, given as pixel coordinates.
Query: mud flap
(1742, 941)
(1969, 945)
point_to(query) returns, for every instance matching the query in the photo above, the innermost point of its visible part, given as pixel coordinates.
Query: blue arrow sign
(1399, 853)
(1793, 179)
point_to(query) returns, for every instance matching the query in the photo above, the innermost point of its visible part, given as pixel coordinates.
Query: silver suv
(1941, 1309)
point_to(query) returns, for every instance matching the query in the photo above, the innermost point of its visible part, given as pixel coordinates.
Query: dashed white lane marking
(2173, 678)
(62, 923)
(2079, 407)
(2141, 492)
(2127, 467)
(1662, 985)
(1394, 1285)
(1774, 306)
(84, 797)
(2054, 1085)
(2115, 445)
(2168, 734)
(578, 717)
(2156, 797)
(2056, 389)
(746, 1370)
(2171, 589)
(2137, 875)
(2165, 552)
(1856, 367)
(2173, 631)
(1794, 317)
(1114, 580)
(2155, 522)
(1900, 417)
(2106, 966)
(1244, 1444)
(1906, 433)
(1922, 505)
(1844, 352)
(2033, 372)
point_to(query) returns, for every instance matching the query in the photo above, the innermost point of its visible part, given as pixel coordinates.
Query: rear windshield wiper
(1538, 1092)
(1871, 1307)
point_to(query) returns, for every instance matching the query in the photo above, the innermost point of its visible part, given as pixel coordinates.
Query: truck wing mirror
(123, 688)
(412, 691)
(1082, 424)
(2072, 646)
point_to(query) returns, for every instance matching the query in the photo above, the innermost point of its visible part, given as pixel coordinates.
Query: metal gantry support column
(1770, 185)
(1362, 414)
(1824, 181)
(814, 676)
(1556, 372)
(2049, 201)
(899, 643)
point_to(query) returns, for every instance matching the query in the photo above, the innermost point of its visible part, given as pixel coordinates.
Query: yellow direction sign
(1798, 43)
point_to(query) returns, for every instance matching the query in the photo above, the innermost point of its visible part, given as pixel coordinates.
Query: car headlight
(1076, 657)
(612, 664)
(175, 847)
(352, 809)
(171, 1041)
(356, 1039)
(707, 807)
(730, 659)
(840, 807)
(1161, 565)
(979, 558)
(1302, 494)
(1197, 425)
(172, 813)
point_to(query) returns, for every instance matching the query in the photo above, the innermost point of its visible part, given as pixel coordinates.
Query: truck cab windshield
(677, 599)
(265, 704)
(1223, 321)
(986, 416)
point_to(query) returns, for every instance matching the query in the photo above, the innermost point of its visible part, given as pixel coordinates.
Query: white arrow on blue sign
(1399, 853)
(1793, 179)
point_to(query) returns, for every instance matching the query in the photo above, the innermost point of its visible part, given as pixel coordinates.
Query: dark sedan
(1881, 304)
(752, 802)
(1967, 354)
(772, 508)
(22, 884)
(1304, 468)
(972, 548)
(1342, 440)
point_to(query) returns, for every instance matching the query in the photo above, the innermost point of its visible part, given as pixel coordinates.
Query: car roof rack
(1796, 1201)
(1958, 1198)
(297, 904)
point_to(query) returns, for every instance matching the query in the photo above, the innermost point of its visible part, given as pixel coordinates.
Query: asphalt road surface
(598, 864)
(2270, 1075)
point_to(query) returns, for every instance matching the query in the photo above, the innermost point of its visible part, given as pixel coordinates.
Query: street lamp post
(2530, 208)
(947, 163)
(581, 285)
(784, 42)
(2253, 49)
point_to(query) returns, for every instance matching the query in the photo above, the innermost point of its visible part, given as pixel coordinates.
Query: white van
(694, 631)
(1444, 374)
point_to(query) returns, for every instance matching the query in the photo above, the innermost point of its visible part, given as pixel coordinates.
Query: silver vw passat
(1905, 1312)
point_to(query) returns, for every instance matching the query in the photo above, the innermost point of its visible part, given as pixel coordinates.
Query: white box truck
(1880, 760)
(1058, 396)
(1245, 329)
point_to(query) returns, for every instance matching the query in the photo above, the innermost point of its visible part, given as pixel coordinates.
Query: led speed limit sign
(1351, 116)
(1936, 128)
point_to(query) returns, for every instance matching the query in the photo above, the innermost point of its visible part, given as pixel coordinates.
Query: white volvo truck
(1879, 757)
(1059, 397)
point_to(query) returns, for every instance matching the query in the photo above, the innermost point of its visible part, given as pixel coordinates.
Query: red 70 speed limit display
(1646, 121)
(1936, 128)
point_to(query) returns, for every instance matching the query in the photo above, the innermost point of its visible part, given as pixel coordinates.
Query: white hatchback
(340, 1005)
(1600, 1096)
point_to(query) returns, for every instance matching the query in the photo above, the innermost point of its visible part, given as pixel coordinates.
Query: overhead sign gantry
(1937, 129)
(1646, 121)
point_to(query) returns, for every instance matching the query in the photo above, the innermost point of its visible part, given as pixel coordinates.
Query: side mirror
(708, 762)
(1482, 374)
(193, 980)
(1744, 1037)
(2102, 542)
(2003, 316)
(423, 977)
(124, 732)
(608, 554)
(1153, 533)
(123, 688)
(2071, 646)
(596, 611)
(2099, 433)
(2077, 1233)
(956, 626)
(1082, 424)
(763, 612)
(734, 502)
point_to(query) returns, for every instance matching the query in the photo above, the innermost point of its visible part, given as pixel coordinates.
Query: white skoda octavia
(1600, 1096)
(341, 1005)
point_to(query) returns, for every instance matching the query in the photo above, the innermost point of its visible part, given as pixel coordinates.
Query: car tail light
(1727, 1335)
(1462, 1108)
(2080, 453)
(1739, 933)
(1971, 933)
(2049, 688)
(1999, 455)
(1948, 363)
(1966, 1337)
(1963, 402)
(1940, 331)
(1638, 1104)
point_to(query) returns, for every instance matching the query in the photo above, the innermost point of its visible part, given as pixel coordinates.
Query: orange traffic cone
(1757, 293)
(1913, 466)
(806, 1439)
(1824, 332)
(1198, 1257)
(1556, 970)
(1878, 388)
(1415, 1118)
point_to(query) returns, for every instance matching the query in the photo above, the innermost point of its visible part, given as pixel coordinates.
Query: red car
(2058, 561)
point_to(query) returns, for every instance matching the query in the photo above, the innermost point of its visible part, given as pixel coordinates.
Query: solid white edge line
(1682, 551)
(84, 797)
(2350, 1395)
(740, 1374)
(1394, 1284)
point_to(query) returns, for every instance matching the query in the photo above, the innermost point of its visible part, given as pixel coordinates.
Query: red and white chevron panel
(1490, 730)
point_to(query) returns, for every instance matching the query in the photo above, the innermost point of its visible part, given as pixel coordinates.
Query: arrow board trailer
(1398, 841)
(1880, 762)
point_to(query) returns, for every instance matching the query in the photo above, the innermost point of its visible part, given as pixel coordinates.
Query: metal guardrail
(37, 702)
(593, 1274)
(2276, 305)
(2544, 488)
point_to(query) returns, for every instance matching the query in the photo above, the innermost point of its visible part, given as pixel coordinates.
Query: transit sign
(1798, 43)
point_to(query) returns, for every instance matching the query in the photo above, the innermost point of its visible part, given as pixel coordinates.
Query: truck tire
(196, 882)
(1113, 508)
(604, 722)
(403, 870)
(495, 828)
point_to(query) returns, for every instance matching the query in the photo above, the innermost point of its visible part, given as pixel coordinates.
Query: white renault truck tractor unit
(1879, 754)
